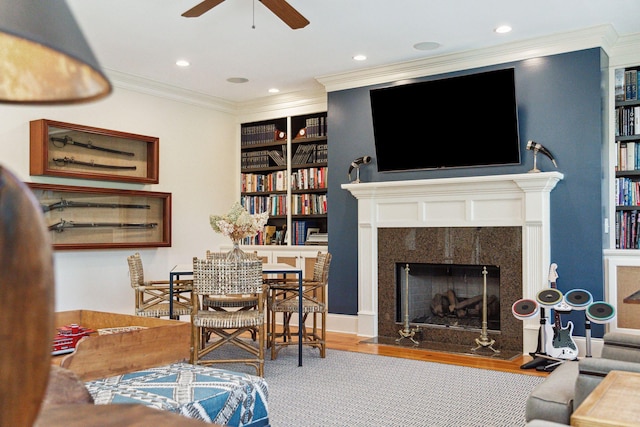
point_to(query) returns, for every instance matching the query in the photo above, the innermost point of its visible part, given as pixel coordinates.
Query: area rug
(357, 389)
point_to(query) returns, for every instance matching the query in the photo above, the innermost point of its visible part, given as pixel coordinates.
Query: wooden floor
(351, 342)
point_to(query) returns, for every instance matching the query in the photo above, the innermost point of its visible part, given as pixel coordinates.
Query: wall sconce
(44, 58)
(364, 160)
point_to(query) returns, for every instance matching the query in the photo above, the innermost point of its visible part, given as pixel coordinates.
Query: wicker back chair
(152, 296)
(218, 277)
(226, 302)
(283, 298)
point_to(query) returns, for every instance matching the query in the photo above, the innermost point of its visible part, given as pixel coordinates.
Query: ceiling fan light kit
(280, 8)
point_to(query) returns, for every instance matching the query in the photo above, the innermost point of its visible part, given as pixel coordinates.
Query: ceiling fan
(280, 8)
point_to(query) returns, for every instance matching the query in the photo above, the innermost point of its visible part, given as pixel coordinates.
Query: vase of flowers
(238, 224)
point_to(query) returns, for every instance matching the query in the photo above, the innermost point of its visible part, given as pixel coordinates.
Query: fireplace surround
(461, 248)
(514, 200)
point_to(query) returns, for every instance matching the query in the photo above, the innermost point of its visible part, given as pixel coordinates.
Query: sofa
(552, 402)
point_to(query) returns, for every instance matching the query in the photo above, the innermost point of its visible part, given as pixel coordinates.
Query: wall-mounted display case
(103, 218)
(77, 151)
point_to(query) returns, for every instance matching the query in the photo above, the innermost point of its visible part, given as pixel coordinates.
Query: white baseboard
(348, 324)
(343, 323)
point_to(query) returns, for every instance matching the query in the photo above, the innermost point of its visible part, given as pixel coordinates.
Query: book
(619, 84)
(633, 83)
(270, 234)
(631, 155)
(277, 157)
(280, 181)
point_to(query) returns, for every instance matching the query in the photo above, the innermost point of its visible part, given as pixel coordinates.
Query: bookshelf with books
(284, 170)
(627, 158)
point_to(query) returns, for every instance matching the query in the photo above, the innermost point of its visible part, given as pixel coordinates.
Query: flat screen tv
(462, 121)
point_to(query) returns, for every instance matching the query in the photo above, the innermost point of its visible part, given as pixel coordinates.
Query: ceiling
(144, 38)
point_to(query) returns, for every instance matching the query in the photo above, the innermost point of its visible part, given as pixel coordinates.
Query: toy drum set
(577, 299)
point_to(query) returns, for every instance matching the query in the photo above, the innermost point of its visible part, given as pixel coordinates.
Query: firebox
(448, 295)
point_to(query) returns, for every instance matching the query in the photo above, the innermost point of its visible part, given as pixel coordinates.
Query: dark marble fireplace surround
(500, 246)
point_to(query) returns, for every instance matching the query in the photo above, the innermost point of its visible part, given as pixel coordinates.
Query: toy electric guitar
(559, 342)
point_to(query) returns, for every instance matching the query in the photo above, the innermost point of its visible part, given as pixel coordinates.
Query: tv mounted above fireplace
(462, 121)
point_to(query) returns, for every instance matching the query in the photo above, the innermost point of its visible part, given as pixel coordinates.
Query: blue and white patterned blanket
(213, 395)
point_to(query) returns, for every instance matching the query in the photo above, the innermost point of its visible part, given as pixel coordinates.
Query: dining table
(267, 268)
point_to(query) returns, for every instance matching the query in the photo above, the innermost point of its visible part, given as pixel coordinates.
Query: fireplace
(448, 262)
(516, 202)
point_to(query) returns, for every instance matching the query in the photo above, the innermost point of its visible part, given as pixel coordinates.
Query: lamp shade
(44, 57)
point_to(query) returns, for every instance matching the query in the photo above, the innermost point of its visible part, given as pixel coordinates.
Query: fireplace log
(469, 301)
(451, 296)
(436, 305)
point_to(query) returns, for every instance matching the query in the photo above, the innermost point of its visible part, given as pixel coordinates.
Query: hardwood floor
(351, 342)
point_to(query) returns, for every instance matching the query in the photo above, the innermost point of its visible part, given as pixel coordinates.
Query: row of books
(300, 230)
(261, 134)
(627, 121)
(305, 153)
(626, 84)
(627, 232)
(263, 158)
(255, 182)
(627, 155)
(308, 204)
(316, 127)
(310, 153)
(310, 178)
(627, 192)
(275, 204)
(258, 239)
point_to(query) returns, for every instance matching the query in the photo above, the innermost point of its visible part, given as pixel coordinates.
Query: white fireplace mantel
(478, 201)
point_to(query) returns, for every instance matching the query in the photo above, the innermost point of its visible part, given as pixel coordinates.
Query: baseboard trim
(348, 324)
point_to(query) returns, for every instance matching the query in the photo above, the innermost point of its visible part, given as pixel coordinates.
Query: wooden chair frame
(283, 298)
(212, 329)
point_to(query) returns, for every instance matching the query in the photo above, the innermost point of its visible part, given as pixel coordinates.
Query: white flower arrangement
(238, 223)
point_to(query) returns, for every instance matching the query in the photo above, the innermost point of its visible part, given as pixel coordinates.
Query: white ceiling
(144, 38)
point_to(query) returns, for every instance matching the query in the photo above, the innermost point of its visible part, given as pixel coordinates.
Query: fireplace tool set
(484, 340)
(407, 331)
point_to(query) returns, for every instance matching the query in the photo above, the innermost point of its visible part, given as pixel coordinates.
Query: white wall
(198, 165)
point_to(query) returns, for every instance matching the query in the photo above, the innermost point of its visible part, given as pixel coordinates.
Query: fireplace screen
(447, 295)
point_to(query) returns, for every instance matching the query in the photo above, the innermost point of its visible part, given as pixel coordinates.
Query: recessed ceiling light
(274, 90)
(237, 80)
(182, 63)
(503, 29)
(426, 46)
(359, 57)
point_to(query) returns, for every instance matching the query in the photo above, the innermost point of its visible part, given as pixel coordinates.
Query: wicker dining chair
(227, 303)
(152, 296)
(283, 298)
(220, 277)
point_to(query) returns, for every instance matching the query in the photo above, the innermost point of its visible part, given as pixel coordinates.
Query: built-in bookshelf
(627, 140)
(284, 171)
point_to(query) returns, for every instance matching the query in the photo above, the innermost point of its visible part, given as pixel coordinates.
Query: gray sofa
(552, 401)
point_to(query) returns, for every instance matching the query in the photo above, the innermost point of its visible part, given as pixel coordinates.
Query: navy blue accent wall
(559, 105)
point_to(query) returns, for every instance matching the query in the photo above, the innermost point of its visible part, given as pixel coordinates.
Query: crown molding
(283, 105)
(312, 101)
(626, 51)
(162, 90)
(603, 36)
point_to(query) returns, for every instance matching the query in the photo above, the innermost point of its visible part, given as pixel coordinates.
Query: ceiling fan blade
(287, 13)
(201, 8)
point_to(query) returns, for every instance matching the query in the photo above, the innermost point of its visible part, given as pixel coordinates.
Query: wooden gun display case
(103, 218)
(77, 151)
